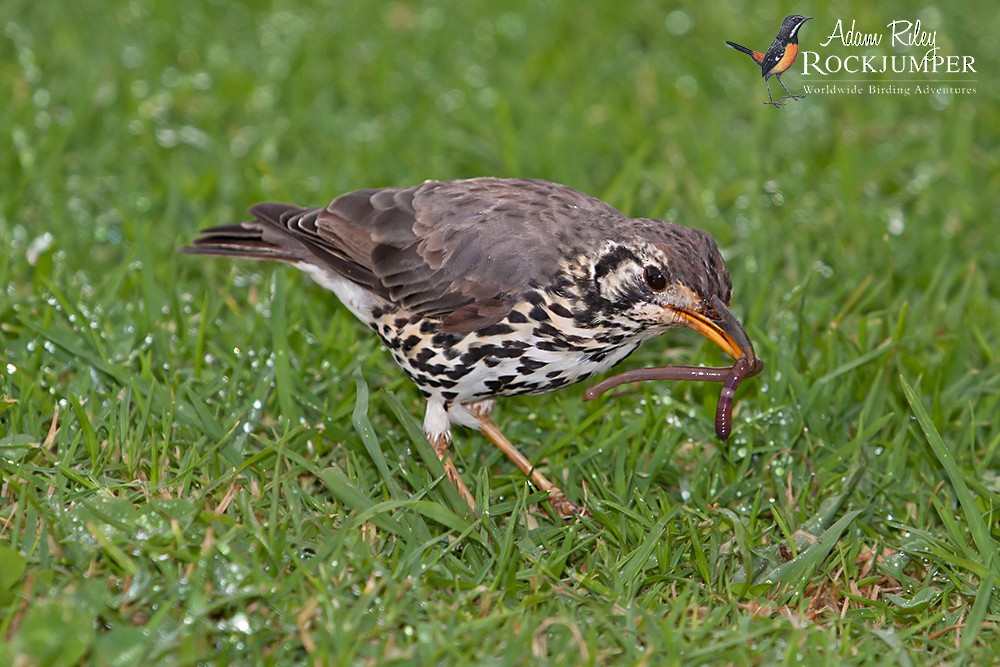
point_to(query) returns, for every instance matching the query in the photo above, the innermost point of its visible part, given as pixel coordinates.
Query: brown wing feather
(463, 250)
(460, 250)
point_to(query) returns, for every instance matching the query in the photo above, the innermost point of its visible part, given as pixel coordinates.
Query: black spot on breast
(473, 355)
(510, 351)
(600, 355)
(445, 339)
(498, 329)
(504, 382)
(458, 372)
(528, 364)
(547, 330)
(538, 314)
(534, 298)
(516, 317)
(560, 310)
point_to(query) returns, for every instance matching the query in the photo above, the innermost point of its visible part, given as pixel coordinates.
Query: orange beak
(725, 330)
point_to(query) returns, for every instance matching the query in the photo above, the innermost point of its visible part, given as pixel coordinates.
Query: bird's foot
(793, 97)
(777, 105)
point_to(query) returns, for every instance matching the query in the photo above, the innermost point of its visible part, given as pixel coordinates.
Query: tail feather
(757, 56)
(263, 238)
(237, 240)
(283, 233)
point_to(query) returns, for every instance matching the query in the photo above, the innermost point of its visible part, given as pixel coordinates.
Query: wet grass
(211, 462)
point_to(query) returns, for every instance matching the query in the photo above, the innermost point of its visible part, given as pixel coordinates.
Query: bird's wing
(461, 250)
(774, 54)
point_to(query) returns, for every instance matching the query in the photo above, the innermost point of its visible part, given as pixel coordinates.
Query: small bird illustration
(487, 287)
(779, 56)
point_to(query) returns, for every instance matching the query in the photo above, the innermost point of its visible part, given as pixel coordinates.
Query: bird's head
(790, 26)
(663, 276)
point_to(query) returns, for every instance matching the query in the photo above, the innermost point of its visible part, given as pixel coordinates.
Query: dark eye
(655, 278)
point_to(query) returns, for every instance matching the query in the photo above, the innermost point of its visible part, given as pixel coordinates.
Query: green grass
(211, 462)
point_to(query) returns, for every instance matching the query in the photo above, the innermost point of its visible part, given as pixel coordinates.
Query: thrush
(487, 287)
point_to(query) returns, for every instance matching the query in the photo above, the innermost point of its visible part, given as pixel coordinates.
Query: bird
(779, 56)
(483, 288)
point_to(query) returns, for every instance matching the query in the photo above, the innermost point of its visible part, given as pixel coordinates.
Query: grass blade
(987, 546)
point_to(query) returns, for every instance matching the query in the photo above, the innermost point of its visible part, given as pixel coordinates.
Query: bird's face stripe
(614, 255)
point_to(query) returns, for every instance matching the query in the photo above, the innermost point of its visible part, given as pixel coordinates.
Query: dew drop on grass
(240, 623)
(11, 369)
(38, 246)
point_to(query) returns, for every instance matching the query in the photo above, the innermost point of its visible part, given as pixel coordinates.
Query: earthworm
(703, 373)
(724, 410)
(729, 376)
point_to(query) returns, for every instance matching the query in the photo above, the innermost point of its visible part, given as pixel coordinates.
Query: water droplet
(897, 223)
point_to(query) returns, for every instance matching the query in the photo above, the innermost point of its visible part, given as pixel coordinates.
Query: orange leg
(557, 499)
(441, 445)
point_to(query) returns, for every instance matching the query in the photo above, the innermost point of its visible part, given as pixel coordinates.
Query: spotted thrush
(489, 287)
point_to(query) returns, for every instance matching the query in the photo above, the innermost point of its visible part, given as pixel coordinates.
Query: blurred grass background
(211, 462)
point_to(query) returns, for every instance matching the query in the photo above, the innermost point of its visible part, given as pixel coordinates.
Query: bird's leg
(437, 428)
(772, 102)
(794, 97)
(557, 499)
(441, 446)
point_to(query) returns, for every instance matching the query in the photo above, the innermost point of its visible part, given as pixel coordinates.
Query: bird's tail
(756, 55)
(265, 237)
(284, 233)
